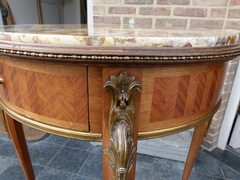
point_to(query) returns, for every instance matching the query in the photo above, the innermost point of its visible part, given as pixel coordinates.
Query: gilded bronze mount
(122, 149)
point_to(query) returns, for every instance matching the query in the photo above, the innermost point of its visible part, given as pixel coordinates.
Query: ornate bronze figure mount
(121, 122)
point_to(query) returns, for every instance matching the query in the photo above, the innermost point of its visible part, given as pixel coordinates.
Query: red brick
(98, 9)
(235, 3)
(225, 97)
(217, 121)
(106, 20)
(121, 10)
(223, 105)
(232, 67)
(209, 24)
(227, 87)
(192, 12)
(233, 25)
(154, 11)
(210, 2)
(107, 1)
(173, 2)
(209, 145)
(214, 130)
(234, 13)
(219, 114)
(138, 21)
(217, 13)
(171, 22)
(138, 1)
(230, 77)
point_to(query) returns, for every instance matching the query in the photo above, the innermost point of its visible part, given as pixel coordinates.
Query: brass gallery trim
(126, 58)
(98, 136)
(169, 131)
(51, 129)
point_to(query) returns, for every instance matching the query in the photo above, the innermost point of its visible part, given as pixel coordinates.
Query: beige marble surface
(109, 35)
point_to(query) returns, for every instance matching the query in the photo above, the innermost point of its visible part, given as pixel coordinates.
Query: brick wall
(184, 14)
(214, 14)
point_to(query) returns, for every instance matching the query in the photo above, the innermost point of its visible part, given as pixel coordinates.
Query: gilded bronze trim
(173, 130)
(88, 136)
(97, 136)
(122, 149)
(125, 58)
(1, 81)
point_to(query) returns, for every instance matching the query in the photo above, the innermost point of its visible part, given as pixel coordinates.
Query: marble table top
(116, 35)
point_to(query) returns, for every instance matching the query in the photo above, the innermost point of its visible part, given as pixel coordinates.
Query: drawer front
(50, 93)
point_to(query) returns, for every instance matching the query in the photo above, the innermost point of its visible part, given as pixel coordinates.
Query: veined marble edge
(118, 37)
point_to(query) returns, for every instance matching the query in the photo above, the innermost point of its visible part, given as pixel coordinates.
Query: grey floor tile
(144, 171)
(207, 165)
(165, 169)
(85, 178)
(226, 157)
(166, 173)
(195, 176)
(15, 172)
(52, 174)
(56, 139)
(5, 163)
(230, 173)
(2, 140)
(97, 150)
(83, 145)
(42, 152)
(4, 137)
(7, 149)
(169, 163)
(69, 160)
(145, 158)
(92, 167)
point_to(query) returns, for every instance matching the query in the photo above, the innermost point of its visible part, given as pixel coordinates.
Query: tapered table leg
(17, 135)
(4, 121)
(197, 138)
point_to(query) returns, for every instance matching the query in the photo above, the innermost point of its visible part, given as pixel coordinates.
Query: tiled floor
(57, 158)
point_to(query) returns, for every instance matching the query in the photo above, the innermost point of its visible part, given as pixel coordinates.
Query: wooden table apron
(116, 95)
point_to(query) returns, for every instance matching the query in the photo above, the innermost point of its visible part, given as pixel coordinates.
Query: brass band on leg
(121, 123)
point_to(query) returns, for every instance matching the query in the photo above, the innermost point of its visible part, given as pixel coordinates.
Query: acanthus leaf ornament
(121, 122)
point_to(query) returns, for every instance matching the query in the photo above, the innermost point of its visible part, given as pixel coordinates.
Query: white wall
(60, 9)
(25, 11)
(71, 11)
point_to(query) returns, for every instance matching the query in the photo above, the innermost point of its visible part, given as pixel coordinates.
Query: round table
(115, 84)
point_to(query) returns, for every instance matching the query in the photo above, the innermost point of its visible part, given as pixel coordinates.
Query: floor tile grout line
(78, 148)
(222, 162)
(14, 161)
(9, 158)
(85, 161)
(57, 152)
(92, 151)
(208, 175)
(59, 170)
(46, 166)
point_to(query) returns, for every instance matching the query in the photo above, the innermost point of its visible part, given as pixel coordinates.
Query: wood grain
(47, 92)
(17, 135)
